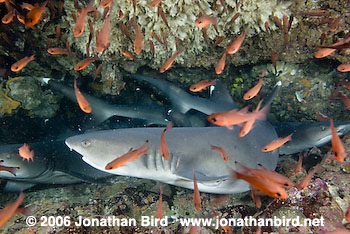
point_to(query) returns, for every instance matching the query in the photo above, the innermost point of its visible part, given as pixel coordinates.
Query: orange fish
(345, 84)
(33, 16)
(98, 70)
(234, 18)
(218, 41)
(255, 90)
(10, 209)
(26, 153)
(315, 13)
(276, 143)
(255, 194)
(234, 46)
(298, 166)
(264, 185)
(8, 17)
(106, 3)
(345, 99)
(59, 51)
(247, 126)
(344, 67)
(84, 63)
(334, 25)
(234, 117)
(80, 22)
(199, 86)
(154, 3)
(83, 103)
(274, 60)
(324, 52)
(266, 173)
(337, 145)
(223, 153)
(347, 214)
(102, 36)
(170, 61)
(17, 66)
(163, 145)
(221, 64)
(162, 15)
(159, 211)
(278, 22)
(305, 182)
(151, 45)
(131, 155)
(138, 38)
(128, 54)
(204, 20)
(196, 195)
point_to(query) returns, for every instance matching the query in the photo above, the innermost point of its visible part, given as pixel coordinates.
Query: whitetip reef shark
(53, 163)
(190, 147)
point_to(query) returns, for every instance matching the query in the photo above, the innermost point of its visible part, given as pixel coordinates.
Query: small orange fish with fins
(276, 143)
(138, 38)
(80, 22)
(196, 195)
(82, 102)
(17, 66)
(223, 152)
(234, 46)
(221, 64)
(164, 150)
(26, 153)
(305, 182)
(255, 90)
(10, 209)
(337, 146)
(129, 156)
(102, 36)
(159, 211)
(33, 16)
(199, 86)
(84, 63)
(170, 61)
(263, 184)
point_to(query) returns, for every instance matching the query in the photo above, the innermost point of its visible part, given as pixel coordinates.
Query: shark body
(53, 163)
(190, 149)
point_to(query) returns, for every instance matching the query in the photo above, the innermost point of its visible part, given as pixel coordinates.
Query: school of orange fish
(262, 181)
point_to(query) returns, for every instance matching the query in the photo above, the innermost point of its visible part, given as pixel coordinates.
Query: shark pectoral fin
(16, 186)
(85, 178)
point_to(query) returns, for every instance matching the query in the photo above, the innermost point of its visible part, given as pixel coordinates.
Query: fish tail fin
(262, 114)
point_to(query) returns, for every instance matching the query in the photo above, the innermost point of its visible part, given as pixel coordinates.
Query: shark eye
(85, 143)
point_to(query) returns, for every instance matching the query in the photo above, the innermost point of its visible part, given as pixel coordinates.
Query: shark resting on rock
(190, 146)
(189, 143)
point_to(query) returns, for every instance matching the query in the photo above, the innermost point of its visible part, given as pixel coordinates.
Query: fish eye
(85, 143)
(213, 119)
(278, 194)
(286, 184)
